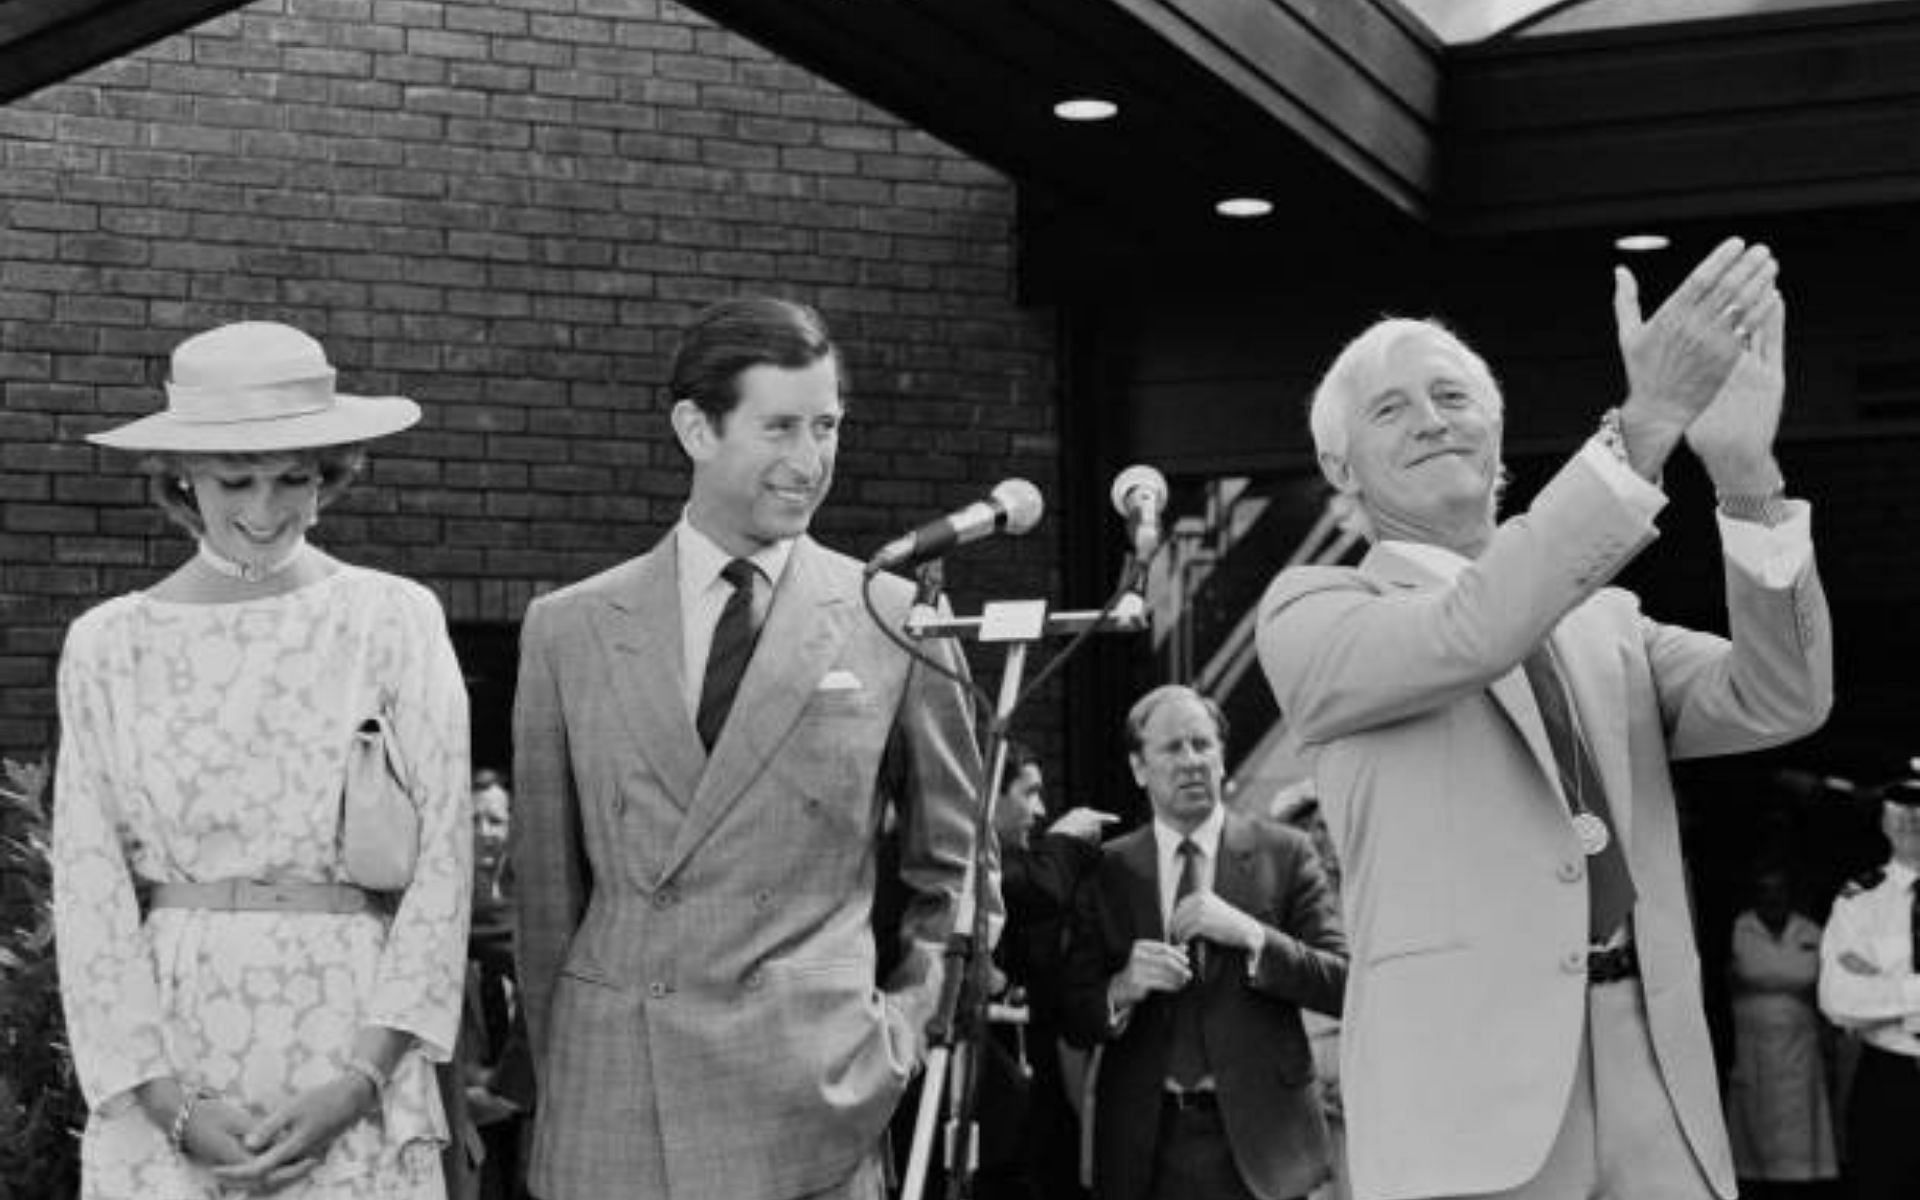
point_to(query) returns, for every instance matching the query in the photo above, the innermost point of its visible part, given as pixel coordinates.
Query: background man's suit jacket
(1465, 892)
(694, 944)
(1257, 1048)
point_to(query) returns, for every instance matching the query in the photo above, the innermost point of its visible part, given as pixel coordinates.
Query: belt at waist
(1614, 962)
(246, 895)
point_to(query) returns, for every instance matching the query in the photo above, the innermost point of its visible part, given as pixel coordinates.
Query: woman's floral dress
(209, 742)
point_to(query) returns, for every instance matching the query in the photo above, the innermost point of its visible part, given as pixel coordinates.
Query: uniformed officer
(1868, 984)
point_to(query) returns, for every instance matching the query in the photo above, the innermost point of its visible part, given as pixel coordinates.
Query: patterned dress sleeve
(419, 983)
(107, 982)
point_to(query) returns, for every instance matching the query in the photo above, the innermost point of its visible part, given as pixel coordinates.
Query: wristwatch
(1612, 437)
(1767, 508)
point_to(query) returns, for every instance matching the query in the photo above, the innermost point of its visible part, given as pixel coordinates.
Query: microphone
(1014, 506)
(1139, 495)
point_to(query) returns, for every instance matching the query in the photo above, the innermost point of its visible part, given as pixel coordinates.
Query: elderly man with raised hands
(1490, 727)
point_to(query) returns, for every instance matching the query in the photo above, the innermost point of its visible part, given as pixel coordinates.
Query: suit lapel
(1511, 692)
(1236, 875)
(806, 626)
(638, 627)
(1138, 858)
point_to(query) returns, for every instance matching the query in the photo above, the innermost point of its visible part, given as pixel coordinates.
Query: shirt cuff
(1775, 555)
(1622, 480)
(1910, 994)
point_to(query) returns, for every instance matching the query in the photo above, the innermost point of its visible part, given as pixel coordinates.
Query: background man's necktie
(733, 640)
(1187, 1058)
(1609, 883)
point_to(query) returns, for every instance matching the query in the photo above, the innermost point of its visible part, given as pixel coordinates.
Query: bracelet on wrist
(1768, 508)
(177, 1131)
(1612, 436)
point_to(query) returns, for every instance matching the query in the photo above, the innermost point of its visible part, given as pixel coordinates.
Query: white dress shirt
(1878, 996)
(1167, 839)
(704, 594)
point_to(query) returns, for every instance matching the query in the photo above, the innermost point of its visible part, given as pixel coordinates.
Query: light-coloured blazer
(694, 942)
(1465, 892)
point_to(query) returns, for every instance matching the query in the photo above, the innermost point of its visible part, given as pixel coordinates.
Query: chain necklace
(251, 572)
(1589, 829)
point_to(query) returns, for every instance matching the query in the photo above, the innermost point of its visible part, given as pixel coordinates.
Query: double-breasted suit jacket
(1464, 888)
(694, 943)
(1256, 1045)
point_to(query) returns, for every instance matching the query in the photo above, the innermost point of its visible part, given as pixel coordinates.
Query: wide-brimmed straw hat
(253, 387)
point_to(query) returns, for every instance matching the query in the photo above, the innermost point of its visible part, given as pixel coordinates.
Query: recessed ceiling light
(1641, 243)
(1085, 108)
(1244, 206)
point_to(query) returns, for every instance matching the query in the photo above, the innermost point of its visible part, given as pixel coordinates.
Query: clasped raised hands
(1680, 360)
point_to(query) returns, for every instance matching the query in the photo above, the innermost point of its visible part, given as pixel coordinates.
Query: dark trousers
(1883, 1151)
(1192, 1160)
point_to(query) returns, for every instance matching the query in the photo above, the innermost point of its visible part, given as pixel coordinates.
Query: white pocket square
(840, 681)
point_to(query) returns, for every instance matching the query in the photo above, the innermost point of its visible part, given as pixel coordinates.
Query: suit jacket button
(754, 981)
(1570, 871)
(1574, 962)
(656, 990)
(665, 898)
(762, 898)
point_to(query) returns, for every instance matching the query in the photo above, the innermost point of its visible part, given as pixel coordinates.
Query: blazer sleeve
(1038, 882)
(1091, 960)
(932, 767)
(1345, 652)
(1305, 960)
(551, 876)
(1771, 682)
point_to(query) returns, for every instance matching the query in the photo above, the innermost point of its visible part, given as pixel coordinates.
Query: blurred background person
(1868, 986)
(1028, 1124)
(249, 1010)
(1194, 946)
(1779, 1118)
(1298, 805)
(496, 1071)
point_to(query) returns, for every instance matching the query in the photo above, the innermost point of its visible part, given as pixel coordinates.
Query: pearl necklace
(251, 572)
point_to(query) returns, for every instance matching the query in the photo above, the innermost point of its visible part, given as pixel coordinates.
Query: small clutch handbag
(379, 824)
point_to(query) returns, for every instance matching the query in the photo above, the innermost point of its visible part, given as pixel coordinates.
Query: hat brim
(348, 419)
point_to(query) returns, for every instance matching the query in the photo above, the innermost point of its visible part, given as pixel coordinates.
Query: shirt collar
(1901, 874)
(1206, 835)
(1445, 563)
(701, 558)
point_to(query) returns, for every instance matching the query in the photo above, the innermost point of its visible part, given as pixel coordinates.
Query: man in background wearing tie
(1870, 986)
(1195, 944)
(1490, 726)
(707, 739)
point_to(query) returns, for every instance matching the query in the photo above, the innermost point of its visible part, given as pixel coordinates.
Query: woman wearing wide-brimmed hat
(251, 1011)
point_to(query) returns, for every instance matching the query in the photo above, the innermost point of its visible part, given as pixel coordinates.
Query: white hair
(1360, 363)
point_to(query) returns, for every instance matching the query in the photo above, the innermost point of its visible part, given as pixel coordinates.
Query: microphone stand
(960, 1019)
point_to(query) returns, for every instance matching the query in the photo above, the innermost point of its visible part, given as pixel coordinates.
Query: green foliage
(40, 1105)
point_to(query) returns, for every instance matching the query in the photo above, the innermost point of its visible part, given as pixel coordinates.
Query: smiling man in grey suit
(1490, 727)
(707, 738)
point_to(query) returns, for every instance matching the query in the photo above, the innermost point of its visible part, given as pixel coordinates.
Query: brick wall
(505, 209)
